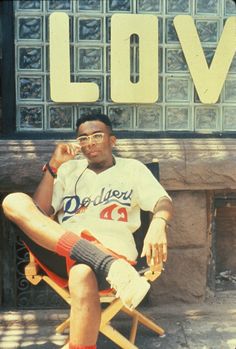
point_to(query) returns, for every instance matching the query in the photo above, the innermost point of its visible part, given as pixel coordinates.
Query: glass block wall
(0, 74)
(178, 107)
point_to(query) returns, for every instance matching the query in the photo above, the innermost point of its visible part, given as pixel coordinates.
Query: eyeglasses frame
(91, 138)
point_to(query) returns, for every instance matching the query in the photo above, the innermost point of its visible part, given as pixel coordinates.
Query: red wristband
(51, 170)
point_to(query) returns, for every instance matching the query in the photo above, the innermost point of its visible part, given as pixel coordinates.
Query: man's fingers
(160, 248)
(76, 147)
(72, 149)
(164, 257)
(155, 253)
(147, 251)
(159, 253)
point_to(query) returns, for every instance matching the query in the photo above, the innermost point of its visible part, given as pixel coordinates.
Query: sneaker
(129, 285)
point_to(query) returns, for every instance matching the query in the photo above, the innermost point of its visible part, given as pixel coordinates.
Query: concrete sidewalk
(211, 325)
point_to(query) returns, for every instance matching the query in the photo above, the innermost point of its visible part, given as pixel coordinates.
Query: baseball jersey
(106, 204)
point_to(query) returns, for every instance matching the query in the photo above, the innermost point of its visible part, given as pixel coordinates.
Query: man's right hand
(43, 194)
(63, 153)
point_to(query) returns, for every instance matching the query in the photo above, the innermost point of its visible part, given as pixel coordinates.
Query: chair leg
(107, 315)
(133, 330)
(117, 337)
(145, 321)
(111, 311)
(65, 324)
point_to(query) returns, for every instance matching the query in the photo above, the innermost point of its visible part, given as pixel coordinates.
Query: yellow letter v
(208, 81)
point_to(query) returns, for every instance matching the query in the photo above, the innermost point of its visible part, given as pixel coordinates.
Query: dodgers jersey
(108, 203)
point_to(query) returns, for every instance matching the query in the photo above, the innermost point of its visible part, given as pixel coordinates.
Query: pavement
(209, 325)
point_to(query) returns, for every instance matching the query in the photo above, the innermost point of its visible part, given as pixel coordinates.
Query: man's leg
(85, 314)
(85, 303)
(52, 261)
(21, 209)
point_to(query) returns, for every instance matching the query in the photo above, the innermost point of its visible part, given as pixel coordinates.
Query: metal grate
(28, 296)
(225, 237)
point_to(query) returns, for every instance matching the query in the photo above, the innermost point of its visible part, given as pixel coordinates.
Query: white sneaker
(129, 285)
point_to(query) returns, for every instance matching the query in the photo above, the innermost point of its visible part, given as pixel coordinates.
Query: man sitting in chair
(97, 201)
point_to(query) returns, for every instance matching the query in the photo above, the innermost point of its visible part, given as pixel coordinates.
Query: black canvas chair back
(139, 235)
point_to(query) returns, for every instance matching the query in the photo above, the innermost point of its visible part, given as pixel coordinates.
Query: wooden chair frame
(34, 275)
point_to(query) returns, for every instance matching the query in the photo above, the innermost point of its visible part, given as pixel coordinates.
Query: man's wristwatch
(50, 169)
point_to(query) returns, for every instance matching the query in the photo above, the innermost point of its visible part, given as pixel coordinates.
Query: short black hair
(94, 117)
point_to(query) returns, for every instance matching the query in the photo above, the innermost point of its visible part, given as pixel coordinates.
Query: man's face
(99, 147)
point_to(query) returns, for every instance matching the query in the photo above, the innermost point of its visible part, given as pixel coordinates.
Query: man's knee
(14, 203)
(82, 281)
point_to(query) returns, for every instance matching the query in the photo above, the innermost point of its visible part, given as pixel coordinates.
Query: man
(97, 201)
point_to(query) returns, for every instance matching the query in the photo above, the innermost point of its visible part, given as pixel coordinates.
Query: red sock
(78, 249)
(78, 346)
(65, 243)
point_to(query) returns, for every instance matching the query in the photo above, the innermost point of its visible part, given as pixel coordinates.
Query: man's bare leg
(85, 313)
(20, 209)
(50, 235)
(85, 304)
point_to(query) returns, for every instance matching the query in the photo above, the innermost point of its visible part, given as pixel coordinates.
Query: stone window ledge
(185, 164)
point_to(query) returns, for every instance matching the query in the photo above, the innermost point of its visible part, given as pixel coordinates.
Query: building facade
(194, 140)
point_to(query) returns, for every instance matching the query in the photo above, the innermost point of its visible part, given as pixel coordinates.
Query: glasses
(86, 140)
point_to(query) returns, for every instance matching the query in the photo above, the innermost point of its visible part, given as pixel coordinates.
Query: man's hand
(63, 153)
(155, 243)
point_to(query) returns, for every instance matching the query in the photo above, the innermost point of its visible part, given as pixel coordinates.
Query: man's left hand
(155, 243)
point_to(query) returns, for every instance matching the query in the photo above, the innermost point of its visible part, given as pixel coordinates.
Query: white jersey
(106, 204)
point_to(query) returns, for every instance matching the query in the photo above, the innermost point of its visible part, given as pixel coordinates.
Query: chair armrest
(32, 271)
(153, 272)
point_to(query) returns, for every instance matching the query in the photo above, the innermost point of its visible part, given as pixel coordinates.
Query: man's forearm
(43, 194)
(44, 191)
(163, 209)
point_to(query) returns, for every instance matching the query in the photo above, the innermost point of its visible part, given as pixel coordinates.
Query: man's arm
(155, 242)
(44, 191)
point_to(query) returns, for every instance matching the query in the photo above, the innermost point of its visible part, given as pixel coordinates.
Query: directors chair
(34, 274)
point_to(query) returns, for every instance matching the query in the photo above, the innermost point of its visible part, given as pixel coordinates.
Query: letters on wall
(208, 80)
